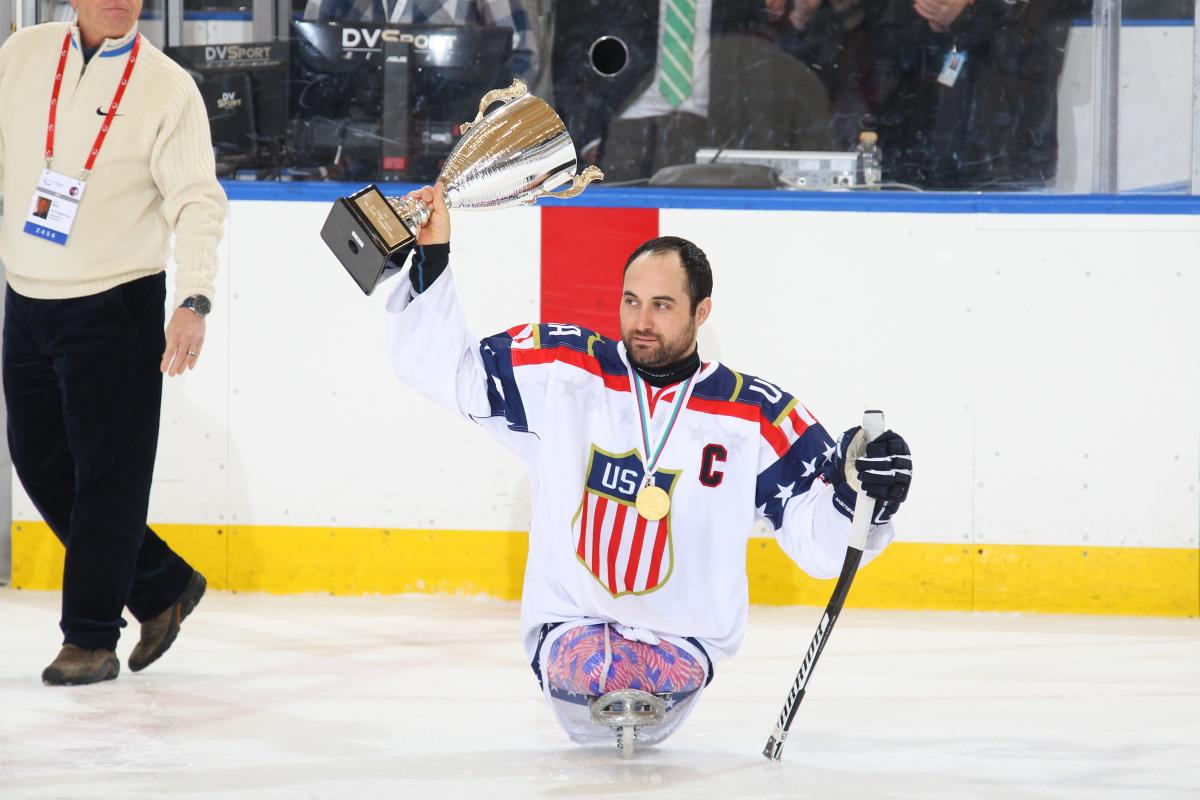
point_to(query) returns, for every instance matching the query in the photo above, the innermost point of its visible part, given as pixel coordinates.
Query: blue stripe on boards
(599, 196)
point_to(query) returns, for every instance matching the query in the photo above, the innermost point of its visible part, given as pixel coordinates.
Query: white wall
(1031, 361)
(1046, 370)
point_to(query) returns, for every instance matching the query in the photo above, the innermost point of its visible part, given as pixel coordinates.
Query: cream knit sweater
(155, 173)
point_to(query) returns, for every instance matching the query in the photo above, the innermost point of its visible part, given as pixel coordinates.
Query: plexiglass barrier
(797, 95)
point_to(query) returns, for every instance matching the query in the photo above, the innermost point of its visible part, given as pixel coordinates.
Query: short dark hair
(695, 263)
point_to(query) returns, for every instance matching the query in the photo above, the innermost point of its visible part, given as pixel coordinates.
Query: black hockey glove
(884, 470)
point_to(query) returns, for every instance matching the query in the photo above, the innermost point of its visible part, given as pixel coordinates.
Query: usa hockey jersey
(561, 398)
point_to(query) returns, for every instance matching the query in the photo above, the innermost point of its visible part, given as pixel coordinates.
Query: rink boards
(1041, 354)
(910, 575)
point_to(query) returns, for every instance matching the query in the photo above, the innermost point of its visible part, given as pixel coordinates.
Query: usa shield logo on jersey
(625, 552)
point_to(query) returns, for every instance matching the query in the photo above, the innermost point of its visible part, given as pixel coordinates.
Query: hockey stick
(864, 509)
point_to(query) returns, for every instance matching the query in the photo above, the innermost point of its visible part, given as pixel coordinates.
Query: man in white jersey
(649, 470)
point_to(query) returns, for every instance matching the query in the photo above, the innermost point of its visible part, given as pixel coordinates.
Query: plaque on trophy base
(368, 236)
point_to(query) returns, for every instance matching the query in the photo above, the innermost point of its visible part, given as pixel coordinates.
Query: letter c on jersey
(713, 453)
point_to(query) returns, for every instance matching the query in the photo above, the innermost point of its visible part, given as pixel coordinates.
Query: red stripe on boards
(583, 257)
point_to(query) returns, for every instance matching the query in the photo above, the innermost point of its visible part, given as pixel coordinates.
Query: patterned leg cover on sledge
(574, 667)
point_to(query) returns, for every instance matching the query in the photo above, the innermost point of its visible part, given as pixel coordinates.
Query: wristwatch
(199, 304)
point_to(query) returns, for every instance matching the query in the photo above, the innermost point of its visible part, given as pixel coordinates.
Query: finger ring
(191, 353)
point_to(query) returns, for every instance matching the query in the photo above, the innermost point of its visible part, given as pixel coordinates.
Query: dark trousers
(83, 389)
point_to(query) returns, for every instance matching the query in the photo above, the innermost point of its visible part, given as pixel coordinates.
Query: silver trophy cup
(511, 155)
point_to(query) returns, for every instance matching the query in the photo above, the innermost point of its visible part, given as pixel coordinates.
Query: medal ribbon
(651, 461)
(112, 108)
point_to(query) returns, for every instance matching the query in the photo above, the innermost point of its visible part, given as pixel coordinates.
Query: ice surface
(426, 697)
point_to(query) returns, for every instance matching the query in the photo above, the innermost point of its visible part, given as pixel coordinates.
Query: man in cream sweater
(104, 153)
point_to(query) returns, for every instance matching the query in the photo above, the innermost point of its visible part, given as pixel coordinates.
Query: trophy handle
(517, 89)
(578, 184)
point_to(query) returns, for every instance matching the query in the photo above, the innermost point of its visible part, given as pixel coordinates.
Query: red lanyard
(112, 108)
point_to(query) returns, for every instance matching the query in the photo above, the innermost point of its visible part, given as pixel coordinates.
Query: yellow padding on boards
(291, 560)
(285, 560)
(37, 556)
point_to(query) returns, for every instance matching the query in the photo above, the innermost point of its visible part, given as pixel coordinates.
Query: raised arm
(433, 350)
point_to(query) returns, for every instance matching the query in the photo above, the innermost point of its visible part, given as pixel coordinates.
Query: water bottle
(870, 161)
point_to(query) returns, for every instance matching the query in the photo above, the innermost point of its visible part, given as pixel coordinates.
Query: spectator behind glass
(492, 13)
(832, 38)
(967, 93)
(710, 75)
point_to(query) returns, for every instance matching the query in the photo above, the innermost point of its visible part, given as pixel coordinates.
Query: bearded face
(658, 324)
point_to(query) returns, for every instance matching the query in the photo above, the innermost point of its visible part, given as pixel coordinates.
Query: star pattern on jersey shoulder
(574, 391)
(809, 467)
(785, 493)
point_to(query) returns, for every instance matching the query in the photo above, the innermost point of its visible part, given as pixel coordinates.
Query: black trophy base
(368, 237)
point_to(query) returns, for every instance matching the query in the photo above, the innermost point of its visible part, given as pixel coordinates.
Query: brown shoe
(75, 666)
(158, 633)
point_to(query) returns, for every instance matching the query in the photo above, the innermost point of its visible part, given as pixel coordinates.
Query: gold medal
(653, 503)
